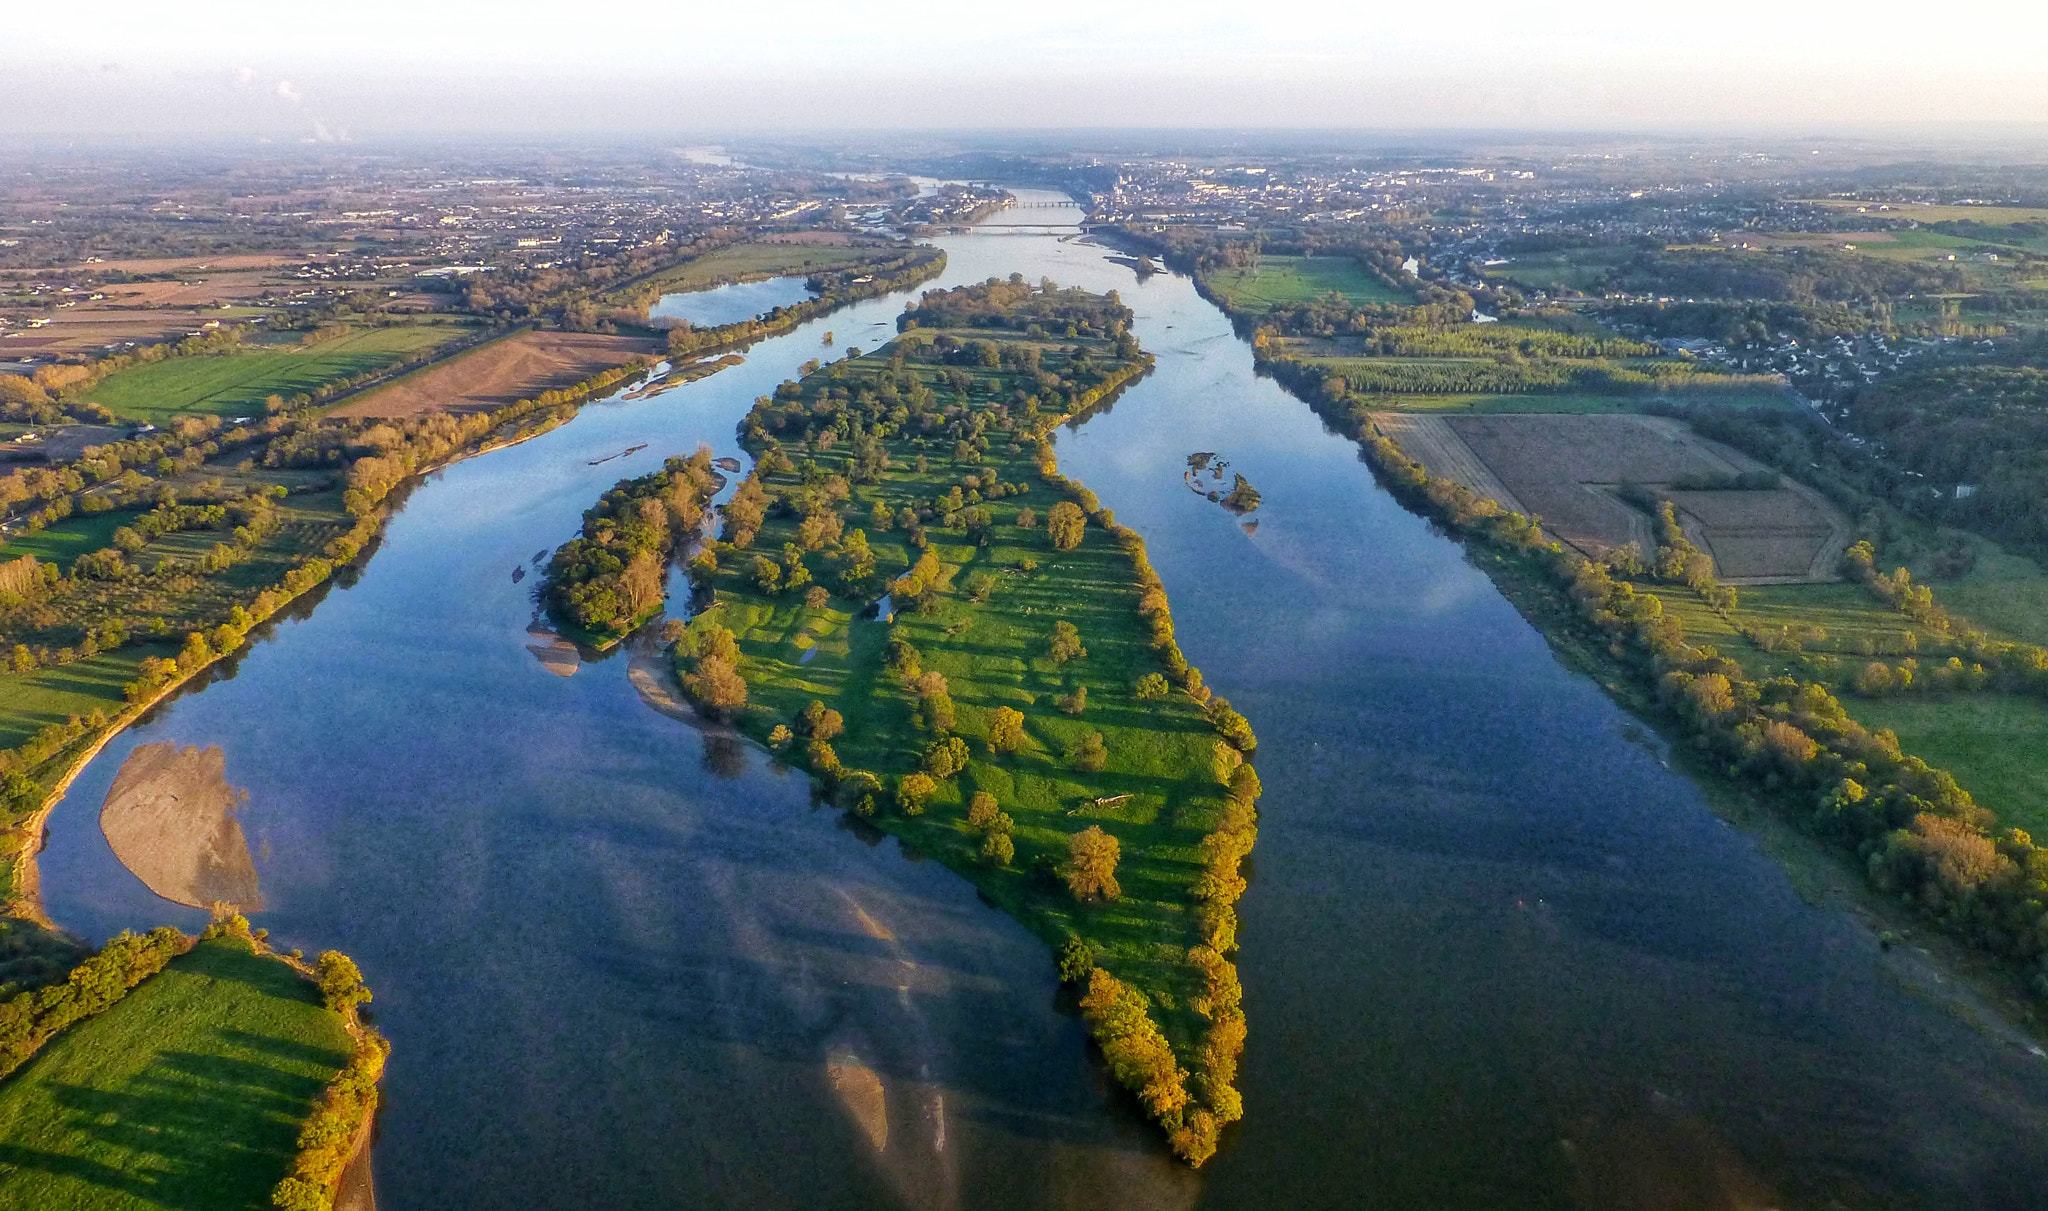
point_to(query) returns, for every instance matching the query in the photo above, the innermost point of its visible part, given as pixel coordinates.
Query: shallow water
(730, 304)
(1495, 953)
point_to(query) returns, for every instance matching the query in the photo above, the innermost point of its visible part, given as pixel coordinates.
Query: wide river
(1495, 954)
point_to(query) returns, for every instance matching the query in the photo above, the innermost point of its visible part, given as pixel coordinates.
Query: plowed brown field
(502, 372)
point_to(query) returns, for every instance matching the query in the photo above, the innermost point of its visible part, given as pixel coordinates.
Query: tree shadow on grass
(195, 1132)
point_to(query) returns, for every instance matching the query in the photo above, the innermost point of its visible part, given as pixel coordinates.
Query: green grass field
(236, 384)
(1293, 279)
(76, 535)
(1569, 269)
(31, 702)
(1996, 745)
(2004, 592)
(188, 1093)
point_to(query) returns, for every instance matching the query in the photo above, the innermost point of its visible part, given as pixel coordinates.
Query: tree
(998, 848)
(912, 791)
(1065, 523)
(1088, 753)
(1077, 959)
(1152, 685)
(1091, 864)
(981, 810)
(1006, 730)
(1066, 643)
(1074, 703)
(944, 758)
(820, 722)
(341, 982)
(1026, 519)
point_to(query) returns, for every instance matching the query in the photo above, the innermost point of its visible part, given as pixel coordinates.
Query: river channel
(1495, 953)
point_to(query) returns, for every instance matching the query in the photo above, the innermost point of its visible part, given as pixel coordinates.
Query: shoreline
(25, 901)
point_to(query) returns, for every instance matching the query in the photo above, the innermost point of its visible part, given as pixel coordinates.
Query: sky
(385, 68)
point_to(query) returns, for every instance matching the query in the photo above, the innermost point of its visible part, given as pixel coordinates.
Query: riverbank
(1783, 743)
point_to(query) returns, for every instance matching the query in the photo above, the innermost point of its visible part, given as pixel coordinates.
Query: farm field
(502, 372)
(1919, 213)
(78, 534)
(236, 384)
(1564, 402)
(1292, 279)
(1996, 745)
(1567, 468)
(188, 1093)
(33, 701)
(1569, 270)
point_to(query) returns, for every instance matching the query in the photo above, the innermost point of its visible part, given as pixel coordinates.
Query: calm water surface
(730, 304)
(1495, 953)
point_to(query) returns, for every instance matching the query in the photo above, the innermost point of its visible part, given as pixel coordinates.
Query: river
(1495, 953)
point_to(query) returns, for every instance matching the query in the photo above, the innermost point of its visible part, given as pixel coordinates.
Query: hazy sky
(370, 68)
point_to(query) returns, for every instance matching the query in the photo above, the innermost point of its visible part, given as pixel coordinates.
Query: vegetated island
(603, 584)
(1018, 707)
(172, 1033)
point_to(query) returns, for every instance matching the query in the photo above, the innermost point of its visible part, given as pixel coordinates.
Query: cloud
(245, 77)
(322, 133)
(286, 92)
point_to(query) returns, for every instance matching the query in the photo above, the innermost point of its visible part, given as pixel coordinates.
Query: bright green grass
(993, 655)
(66, 540)
(236, 384)
(1996, 745)
(31, 702)
(1293, 279)
(189, 1093)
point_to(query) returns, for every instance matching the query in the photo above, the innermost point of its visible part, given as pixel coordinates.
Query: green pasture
(1293, 279)
(236, 384)
(1570, 269)
(187, 1094)
(1996, 745)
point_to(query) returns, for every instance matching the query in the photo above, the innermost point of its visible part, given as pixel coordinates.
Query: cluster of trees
(1042, 310)
(329, 1137)
(610, 578)
(30, 1019)
(1983, 424)
(1793, 275)
(710, 655)
(1919, 834)
(1747, 322)
(1982, 663)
